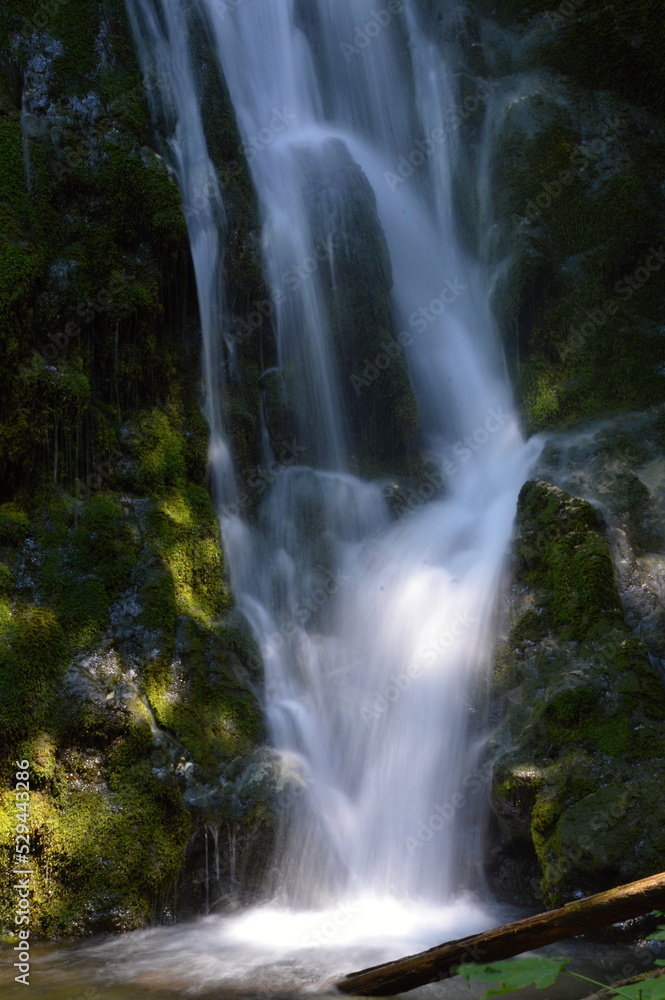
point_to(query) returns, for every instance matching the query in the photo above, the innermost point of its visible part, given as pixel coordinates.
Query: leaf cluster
(541, 972)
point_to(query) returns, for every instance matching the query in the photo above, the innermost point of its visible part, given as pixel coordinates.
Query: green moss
(161, 452)
(128, 748)
(6, 580)
(582, 578)
(575, 717)
(571, 707)
(75, 25)
(185, 534)
(505, 674)
(144, 199)
(200, 700)
(192, 689)
(41, 751)
(215, 725)
(604, 834)
(197, 697)
(539, 389)
(544, 817)
(568, 781)
(89, 551)
(529, 628)
(90, 255)
(99, 858)
(14, 524)
(105, 543)
(33, 657)
(84, 609)
(612, 736)
(575, 713)
(562, 550)
(49, 401)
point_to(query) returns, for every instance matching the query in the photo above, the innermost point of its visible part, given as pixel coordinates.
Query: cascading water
(374, 632)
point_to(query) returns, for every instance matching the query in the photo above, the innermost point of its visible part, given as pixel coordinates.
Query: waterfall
(376, 633)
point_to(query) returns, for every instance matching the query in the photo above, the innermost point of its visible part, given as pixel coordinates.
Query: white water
(376, 634)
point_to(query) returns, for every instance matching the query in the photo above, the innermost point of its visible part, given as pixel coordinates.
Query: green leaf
(513, 975)
(646, 989)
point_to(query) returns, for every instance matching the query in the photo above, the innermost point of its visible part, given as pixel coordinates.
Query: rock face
(382, 409)
(131, 687)
(561, 195)
(580, 750)
(126, 678)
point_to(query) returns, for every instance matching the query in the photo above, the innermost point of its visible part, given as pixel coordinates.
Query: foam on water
(266, 949)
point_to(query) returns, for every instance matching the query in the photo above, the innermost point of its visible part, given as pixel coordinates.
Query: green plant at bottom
(541, 972)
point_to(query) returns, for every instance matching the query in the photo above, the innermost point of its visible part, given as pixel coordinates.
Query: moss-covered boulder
(560, 550)
(618, 465)
(582, 714)
(128, 683)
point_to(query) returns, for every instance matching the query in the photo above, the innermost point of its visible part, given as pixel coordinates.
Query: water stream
(376, 633)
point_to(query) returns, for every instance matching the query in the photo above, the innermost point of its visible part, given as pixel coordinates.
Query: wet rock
(580, 751)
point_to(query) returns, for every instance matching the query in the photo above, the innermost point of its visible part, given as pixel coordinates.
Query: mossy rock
(585, 704)
(161, 452)
(529, 628)
(105, 543)
(92, 248)
(515, 785)
(14, 523)
(84, 610)
(505, 674)
(204, 698)
(560, 548)
(89, 551)
(188, 575)
(630, 500)
(100, 857)
(603, 839)
(576, 210)
(33, 658)
(6, 580)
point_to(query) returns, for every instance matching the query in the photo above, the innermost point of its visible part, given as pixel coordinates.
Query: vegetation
(574, 749)
(119, 665)
(542, 972)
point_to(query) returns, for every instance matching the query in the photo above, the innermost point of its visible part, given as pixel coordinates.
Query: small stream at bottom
(268, 951)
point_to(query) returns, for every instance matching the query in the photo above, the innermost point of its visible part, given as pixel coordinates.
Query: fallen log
(602, 909)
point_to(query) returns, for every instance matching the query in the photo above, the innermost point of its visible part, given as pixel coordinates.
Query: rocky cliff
(126, 678)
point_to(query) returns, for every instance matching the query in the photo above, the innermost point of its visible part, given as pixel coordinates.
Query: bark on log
(632, 900)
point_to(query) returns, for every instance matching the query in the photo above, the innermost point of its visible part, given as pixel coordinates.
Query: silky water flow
(376, 633)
